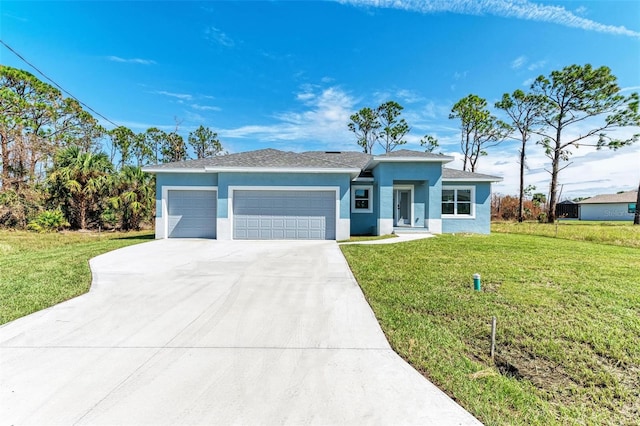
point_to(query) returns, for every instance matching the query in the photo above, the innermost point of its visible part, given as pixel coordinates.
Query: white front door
(402, 203)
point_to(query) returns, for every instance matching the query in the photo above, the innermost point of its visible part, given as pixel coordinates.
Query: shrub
(48, 221)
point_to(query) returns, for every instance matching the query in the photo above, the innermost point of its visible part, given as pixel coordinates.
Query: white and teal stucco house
(272, 194)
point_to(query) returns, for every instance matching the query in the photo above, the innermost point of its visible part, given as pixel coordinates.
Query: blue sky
(287, 75)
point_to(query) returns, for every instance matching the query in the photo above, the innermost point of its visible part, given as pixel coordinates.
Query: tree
(133, 196)
(522, 110)
(577, 96)
(78, 184)
(429, 143)
(36, 121)
(205, 142)
(173, 148)
(479, 129)
(365, 125)
(153, 139)
(393, 130)
(123, 140)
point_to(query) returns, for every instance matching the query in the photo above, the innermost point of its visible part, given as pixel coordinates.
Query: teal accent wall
(341, 180)
(366, 223)
(427, 181)
(181, 179)
(481, 224)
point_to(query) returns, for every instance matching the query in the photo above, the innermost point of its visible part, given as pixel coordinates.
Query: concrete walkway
(212, 332)
(401, 238)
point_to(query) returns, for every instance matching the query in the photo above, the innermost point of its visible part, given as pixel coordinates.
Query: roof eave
(471, 179)
(172, 170)
(376, 160)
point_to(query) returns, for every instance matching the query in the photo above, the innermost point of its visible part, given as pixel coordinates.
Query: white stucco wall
(612, 211)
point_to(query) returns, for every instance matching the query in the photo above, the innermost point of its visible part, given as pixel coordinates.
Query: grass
(359, 238)
(614, 233)
(41, 270)
(568, 315)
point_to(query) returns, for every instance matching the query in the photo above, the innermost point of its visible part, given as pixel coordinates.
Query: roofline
(379, 159)
(495, 179)
(383, 159)
(171, 170)
(606, 202)
(351, 171)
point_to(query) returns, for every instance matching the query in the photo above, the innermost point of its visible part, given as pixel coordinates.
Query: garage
(191, 213)
(283, 214)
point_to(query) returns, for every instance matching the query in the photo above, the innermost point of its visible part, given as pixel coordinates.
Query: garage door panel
(191, 213)
(272, 214)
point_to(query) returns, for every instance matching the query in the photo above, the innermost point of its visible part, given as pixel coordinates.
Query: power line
(56, 84)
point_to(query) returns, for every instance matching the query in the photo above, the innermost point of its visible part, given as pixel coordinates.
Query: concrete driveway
(214, 332)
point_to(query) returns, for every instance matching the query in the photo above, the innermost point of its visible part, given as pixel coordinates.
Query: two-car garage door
(257, 214)
(283, 214)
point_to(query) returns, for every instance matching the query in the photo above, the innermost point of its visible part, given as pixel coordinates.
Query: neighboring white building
(609, 206)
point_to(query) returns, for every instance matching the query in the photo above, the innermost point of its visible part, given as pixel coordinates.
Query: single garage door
(278, 215)
(192, 214)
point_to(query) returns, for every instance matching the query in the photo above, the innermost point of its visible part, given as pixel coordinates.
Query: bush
(48, 221)
(16, 207)
(542, 217)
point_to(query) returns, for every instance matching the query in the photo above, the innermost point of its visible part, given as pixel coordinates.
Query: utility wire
(56, 84)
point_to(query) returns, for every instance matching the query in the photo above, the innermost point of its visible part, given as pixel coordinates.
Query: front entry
(402, 204)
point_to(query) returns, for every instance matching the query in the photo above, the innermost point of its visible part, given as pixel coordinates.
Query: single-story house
(273, 194)
(621, 206)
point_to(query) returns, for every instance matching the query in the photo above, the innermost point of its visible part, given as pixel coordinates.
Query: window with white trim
(362, 199)
(458, 201)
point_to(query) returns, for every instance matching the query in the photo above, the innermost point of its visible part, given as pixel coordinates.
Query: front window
(631, 208)
(458, 201)
(362, 199)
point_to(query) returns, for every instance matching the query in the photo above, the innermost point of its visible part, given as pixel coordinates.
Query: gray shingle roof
(459, 175)
(410, 153)
(346, 158)
(623, 197)
(273, 158)
(262, 158)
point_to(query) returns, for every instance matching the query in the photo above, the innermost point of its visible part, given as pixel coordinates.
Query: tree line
(567, 109)
(56, 172)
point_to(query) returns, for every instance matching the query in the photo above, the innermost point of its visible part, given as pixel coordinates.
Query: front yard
(41, 270)
(568, 315)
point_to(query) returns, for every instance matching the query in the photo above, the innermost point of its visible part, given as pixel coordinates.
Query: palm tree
(133, 196)
(78, 183)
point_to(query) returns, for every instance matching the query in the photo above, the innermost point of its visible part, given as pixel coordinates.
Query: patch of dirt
(541, 372)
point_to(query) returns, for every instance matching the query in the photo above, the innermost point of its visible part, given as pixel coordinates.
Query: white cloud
(536, 65)
(518, 62)
(528, 82)
(131, 61)
(402, 96)
(408, 96)
(180, 96)
(520, 9)
(630, 89)
(215, 35)
(205, 107)
(323, 120)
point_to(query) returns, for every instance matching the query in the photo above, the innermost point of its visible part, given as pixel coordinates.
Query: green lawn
(40, 270)
(615, 233)
(568, 315)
